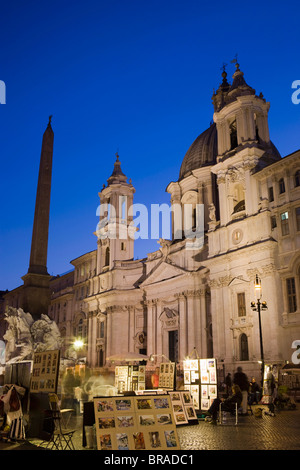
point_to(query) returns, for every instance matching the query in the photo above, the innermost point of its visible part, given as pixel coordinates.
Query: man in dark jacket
(242, 381)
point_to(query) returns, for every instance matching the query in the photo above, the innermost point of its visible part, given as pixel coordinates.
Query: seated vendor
(227, 405)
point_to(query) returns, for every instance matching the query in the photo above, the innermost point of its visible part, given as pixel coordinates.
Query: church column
(109, 332)
(182, 327)
(93, 338)
(131, 329)
(90, 325)
(191, 321)
(203, 326)
(151, 328)
(159, 328)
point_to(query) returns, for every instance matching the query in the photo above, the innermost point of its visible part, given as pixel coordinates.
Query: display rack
(135, 423)
(200, 379)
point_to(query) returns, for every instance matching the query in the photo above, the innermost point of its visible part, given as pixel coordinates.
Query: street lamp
(258, 306)
(153, 356)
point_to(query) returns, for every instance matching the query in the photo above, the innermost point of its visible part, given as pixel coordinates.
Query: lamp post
(258, 306)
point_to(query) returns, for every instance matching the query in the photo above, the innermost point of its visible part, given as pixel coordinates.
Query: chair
(61, 437)
(66, 413)
(228, 417)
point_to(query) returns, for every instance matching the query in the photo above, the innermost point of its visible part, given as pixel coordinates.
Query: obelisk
(39, 243)
(36, 281)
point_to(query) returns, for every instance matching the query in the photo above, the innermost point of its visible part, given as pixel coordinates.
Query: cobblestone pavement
(281, 432)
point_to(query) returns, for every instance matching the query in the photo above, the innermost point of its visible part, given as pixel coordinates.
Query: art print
(180, 418)
(104, 406)
(170, 438)
(187, 399)
(125, 421)
(164, 418)
(144, 404)
(160, 403)
(123, 405)
(155, 442)
(146, 420)
(190, 412)
(139, 441)
(105, 442)
(194, 365)
(122, 441)
(107, 422)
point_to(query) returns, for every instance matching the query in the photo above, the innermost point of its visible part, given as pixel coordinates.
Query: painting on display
(45, 372)
(167, 375)
(183, 407)
(135, 423)
(130, 378)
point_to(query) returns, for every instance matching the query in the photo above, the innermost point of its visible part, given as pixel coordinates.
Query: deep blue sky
(129, 75)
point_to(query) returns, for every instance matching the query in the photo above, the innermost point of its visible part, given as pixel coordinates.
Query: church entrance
(173, 345)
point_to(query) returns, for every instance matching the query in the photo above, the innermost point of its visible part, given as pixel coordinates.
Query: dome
(202, 152)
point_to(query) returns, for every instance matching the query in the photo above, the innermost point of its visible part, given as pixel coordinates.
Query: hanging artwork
(167, 375)
(45, 372)
(200, 379)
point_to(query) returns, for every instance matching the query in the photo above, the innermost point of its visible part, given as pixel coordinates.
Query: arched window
(244, 355)
(239, 199)
(107, 253)
(101, 358)
(233, 135)
(79, 328)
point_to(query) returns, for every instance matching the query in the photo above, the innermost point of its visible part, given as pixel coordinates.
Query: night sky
(129, 76)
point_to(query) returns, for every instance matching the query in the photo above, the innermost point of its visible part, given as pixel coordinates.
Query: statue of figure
(212, 212)
(18, 336)
(45, 335)
(25, 336)
(164, 246)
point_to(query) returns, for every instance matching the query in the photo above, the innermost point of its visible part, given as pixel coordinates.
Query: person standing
(155, 378)
(228, 383)
(254, 392)
(241, 379)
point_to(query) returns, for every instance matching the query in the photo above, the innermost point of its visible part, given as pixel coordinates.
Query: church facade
(178, 300)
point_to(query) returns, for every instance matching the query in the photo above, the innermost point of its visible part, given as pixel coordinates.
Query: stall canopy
(128, 357)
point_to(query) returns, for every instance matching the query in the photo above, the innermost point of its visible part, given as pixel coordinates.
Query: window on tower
(107, 253)
(285, 223)
(291, 294)
(241, 304)
(281, 186)
(233, 135)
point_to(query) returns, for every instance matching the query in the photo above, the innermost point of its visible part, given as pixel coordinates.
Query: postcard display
(183, 407)
(200, 379)
(135, 423)
(167, 372)
(45, 372)
(128, 378)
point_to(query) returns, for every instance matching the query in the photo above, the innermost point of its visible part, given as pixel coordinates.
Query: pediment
(163, 271)
(237, 280)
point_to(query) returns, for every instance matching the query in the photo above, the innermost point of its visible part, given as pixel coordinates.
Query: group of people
(240, 393)
(251, 391)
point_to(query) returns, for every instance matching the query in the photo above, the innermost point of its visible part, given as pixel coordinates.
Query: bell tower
(244, 145)
(115, 230)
